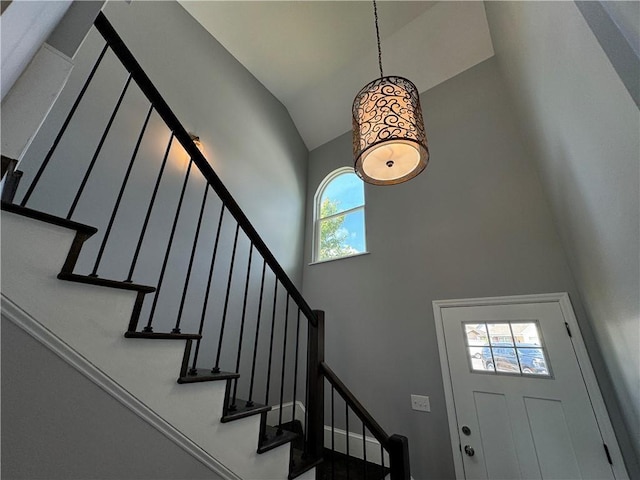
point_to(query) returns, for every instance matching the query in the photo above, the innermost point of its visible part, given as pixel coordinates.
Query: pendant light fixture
(389, 142)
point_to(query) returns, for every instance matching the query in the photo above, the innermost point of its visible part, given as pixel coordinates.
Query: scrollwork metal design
(388, 108)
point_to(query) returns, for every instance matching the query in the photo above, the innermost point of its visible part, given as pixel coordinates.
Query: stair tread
(48, 218)
(271, 439)
(243, 411)
(337, 466)
(205, 375)
(104, 282)
(300, 463)
(163, 335)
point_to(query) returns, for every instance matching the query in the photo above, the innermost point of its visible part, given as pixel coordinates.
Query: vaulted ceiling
(314, 56)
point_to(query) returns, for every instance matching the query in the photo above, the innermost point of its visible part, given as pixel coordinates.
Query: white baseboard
(30, 325)
(356, 445)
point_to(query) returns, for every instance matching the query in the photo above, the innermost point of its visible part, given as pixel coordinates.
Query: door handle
(469, 451)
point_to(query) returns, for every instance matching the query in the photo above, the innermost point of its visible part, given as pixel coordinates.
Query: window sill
(339, 258)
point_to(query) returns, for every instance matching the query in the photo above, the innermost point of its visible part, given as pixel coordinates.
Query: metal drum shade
(389, 143)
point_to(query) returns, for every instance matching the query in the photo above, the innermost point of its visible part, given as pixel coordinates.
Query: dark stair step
(205, 375)
(241, 410)
(301, 462)
(338, 466)
(74, 277)
(270, 438)
(48, 218)
(163, 335)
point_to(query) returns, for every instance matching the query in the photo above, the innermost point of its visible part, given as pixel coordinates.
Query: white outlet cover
(420, 403)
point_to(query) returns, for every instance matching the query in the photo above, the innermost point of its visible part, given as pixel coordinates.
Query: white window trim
(315, 240)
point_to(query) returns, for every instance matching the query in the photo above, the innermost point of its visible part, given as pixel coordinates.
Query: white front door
(522, 409)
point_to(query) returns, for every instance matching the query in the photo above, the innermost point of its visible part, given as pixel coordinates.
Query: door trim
(562, 299)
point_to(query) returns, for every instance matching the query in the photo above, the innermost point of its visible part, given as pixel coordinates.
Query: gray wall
(57, 424)
(70, 32)
(25, 25)
(248, 137)
(475, 223)
(247, 133)
(581, 126)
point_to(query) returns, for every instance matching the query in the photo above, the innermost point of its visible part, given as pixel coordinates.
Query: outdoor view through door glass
(513, 348)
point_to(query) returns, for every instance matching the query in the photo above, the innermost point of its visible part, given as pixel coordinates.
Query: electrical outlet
(421, 403)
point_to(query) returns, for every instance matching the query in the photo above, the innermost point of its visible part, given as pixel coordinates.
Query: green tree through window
(339, 212)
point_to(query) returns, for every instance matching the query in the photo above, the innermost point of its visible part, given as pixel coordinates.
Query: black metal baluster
(67, 120)
(244, 311)
(364, 453)
(284, 358)
(333, 435)
(176, 329)
(149, 208)
(216, 368)
(194, 370)
(273, 324)
(255, 342)
(295, 370)
(307, 433)
(346, 412)
(148, 327)
(94, 272)
(74, 204)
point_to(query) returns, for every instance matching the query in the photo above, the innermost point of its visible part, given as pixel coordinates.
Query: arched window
(339, 228)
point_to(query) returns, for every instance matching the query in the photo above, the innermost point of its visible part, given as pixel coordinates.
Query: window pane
(500, 334)
(342, 235)
(476, 333)
(532, 361)
(526, 333)
(344, 192)
(505, 360)
(488, 362)
(507, 348)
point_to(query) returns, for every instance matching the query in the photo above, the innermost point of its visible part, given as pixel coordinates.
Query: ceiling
(314, 56)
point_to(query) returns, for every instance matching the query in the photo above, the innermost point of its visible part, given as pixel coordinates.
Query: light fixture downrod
(389, 141)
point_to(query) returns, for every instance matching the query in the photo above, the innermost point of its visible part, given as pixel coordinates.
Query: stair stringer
(91, 320)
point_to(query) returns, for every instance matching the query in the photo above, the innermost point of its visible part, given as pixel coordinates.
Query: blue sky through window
(347, 190)
(354, 225)
(341, 227)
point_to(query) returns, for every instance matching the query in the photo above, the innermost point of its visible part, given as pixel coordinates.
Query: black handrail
(396, 446)
(137, 73)
(362, 413)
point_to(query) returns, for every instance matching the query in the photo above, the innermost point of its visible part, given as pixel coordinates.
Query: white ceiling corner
(314, 56)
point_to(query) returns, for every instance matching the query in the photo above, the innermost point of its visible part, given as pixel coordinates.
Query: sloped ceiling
(314, 56)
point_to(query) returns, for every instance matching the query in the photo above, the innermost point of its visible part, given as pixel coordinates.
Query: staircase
(91, 319)
(109, 327)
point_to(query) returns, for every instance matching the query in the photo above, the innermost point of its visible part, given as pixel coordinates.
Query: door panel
(524, 423)
(496, 436)
(551, 438)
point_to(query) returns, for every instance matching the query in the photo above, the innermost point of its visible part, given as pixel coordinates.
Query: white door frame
(602, 416)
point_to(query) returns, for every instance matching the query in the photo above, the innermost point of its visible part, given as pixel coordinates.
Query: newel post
(398, 448)
(315, 387)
